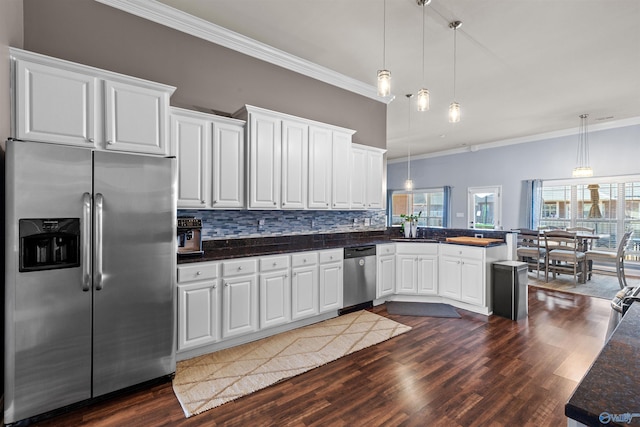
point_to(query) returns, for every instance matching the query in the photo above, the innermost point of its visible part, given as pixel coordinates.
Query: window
(428, 203)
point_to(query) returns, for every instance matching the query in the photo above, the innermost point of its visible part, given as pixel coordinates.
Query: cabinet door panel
(54, 105)
(265, 161)
(239, 306)
(341, 176)
(295, 145)
(320, 168)
(386, 276)
(199, 313)
(191, 139)
(330, 287)
(228, 166)
(275, 299)
(304, 292)
(406, 273)
(450, 277)
(428, 275)
(135, 118)
(358, 178)
(374, 180)
(472, 282)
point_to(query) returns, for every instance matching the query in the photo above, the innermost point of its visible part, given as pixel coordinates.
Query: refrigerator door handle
(86, 242)
(99, 200)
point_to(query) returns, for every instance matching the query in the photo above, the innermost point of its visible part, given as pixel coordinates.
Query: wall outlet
(355, 221)
(261, 222)
(367, 222)
(478, 235)
(313, 223)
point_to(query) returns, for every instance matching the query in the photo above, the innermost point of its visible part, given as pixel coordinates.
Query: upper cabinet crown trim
(206, 116)
(242, 112)
(189, 24)
(62, 64)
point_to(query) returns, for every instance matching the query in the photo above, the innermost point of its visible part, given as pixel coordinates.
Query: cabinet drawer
(461, 251)
(331, 256)
(199, 271)
(304, 258)
(274, 263)
(239, 267)
(417, 248)
(385, 249)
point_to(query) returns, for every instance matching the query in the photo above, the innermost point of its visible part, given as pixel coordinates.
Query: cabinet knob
(458, 262)
(240, 268)
(110, 142)
(90, 139)
(295, 274)
(198, 273)
(275, 264)
(226, 285)
(304, 260)
(214, 286)
(202, 202)
(274, 203)
(326, 204)
(286, 275)
(330, 256)
(283, 203)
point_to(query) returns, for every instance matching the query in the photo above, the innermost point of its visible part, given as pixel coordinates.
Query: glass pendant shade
(423, 100)
(582, 172)
(454, 112)
(408, 185)
(384, 83)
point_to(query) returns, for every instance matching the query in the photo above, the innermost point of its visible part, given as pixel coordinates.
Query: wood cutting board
(476, 241)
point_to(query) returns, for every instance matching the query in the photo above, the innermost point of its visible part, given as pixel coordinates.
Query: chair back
(529, 238)
(623, 243)
(584, 230)
(560, 239)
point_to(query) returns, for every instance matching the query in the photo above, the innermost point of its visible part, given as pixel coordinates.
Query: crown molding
(189, 24)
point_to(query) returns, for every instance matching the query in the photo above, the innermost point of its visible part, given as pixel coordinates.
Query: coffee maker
(189, 236)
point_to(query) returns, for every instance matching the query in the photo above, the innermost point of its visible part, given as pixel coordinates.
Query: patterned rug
(204, 382)
(601, 285)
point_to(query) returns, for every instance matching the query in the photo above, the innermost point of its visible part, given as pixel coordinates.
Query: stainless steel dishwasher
(359, 281)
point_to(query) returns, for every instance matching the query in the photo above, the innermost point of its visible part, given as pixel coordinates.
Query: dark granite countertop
(215, 250)
(612, 385)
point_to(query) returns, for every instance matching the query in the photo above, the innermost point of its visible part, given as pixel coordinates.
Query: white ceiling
(524, 67)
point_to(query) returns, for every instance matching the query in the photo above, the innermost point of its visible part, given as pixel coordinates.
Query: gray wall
(613, 152)
(206, 75)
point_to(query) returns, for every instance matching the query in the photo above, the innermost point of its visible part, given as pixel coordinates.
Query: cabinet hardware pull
(215, 286)
(198, 273)
(240, 268)
(90, 139)
(110, 142)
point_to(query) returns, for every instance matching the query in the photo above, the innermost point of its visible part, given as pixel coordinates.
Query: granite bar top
(219, 249)
(611, 387)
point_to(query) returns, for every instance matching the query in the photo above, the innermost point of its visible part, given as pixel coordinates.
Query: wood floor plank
(475, 370)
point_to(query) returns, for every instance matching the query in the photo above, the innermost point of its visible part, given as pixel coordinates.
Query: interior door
(134, 270)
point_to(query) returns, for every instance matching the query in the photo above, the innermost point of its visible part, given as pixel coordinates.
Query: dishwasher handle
(359, 251)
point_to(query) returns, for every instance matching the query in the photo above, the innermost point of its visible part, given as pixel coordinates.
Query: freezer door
(134, 270)
(48, 315)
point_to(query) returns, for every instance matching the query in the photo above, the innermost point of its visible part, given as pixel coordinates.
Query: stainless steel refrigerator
(90, 274)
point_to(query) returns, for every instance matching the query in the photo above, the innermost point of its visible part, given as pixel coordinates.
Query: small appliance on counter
(189, 236)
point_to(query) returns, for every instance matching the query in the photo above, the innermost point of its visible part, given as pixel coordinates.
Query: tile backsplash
(226, 224)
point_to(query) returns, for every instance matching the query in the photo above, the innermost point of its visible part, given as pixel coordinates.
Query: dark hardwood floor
(477, 370)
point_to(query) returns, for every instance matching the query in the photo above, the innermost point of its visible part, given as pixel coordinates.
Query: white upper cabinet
(341, 176)
(210, 154)
(227, 164)
(63, 102)
(265, 148)
(135, 118)
(367, 165)
(295, 158)
(190, 141)
(320, 167)
(54, 105)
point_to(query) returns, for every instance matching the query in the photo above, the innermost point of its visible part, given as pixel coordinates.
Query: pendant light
(423, 94)
(454, 107)
(384, 75)
(582, 169)
(408, 184)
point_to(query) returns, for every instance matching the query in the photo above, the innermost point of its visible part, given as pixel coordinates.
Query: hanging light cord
(455, 31)
(384, 34)
(423, 15)
(409, 143)
(583, 151)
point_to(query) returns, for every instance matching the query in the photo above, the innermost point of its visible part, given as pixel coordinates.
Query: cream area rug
(208, 381)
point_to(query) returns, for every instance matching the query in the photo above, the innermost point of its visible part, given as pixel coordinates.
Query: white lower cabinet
(275, 291)
(198, 305)
(417, 268)
(386, 274)
(331, 280)
(239, 297)
(304, 285)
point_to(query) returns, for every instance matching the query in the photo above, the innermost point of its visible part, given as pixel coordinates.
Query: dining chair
(585, 244)
(563, 255)
(530, 249)
(617, 256)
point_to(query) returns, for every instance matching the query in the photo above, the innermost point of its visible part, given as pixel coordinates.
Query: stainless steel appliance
(359, 278)
(189, 236)
(619, 306)
(90, 274)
